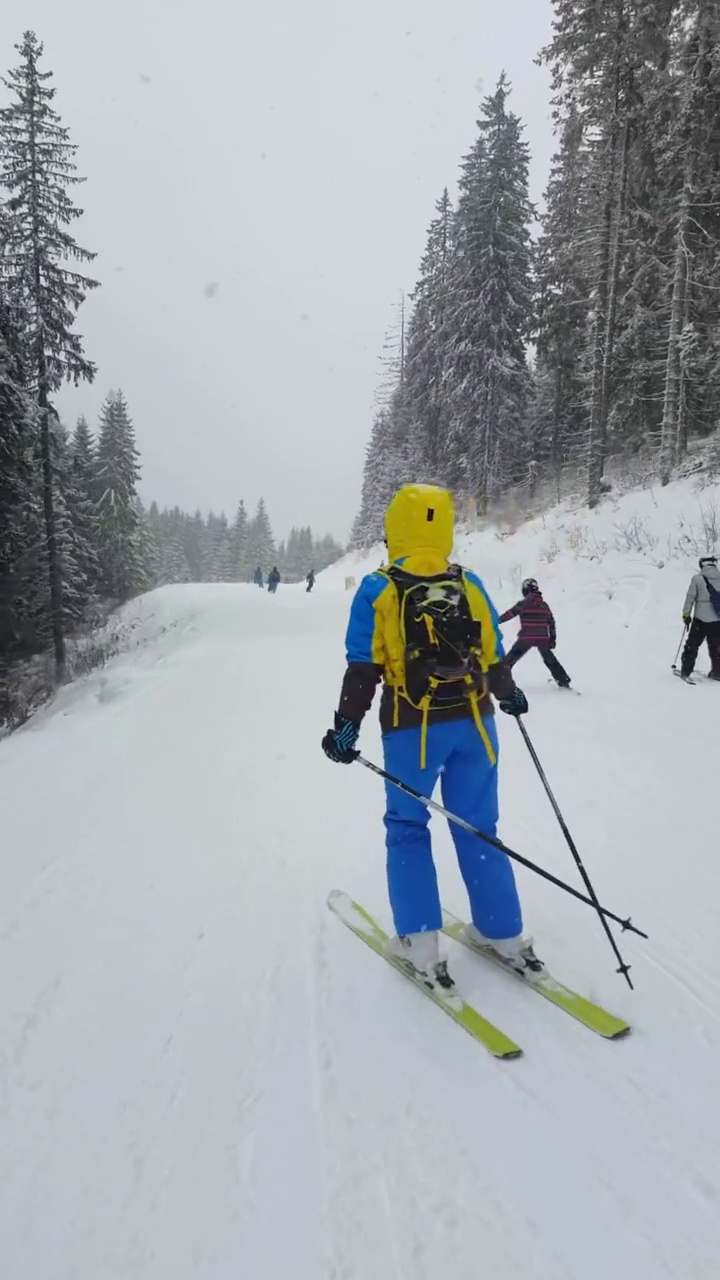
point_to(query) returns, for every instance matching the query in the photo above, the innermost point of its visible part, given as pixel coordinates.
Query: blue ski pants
(469, 782)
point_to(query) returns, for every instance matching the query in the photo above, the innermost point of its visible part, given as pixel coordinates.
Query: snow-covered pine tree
(82, 449)
(691, 170)
(194, 536)
(325, 552)
(238, 543)
(116, 476)
(296, 561)
(175, 567)
(158, 521)
(605, 59)
(36, 170)
(490, 317)
(77, 532)
(78, 528)
(425, 388)
(392, 360)
(148, 551)
(287, 556)
(222, 562)
(386, 468)
(32, 607)
(306, 549)
(15, 479)
(562, 301)
(77, 483)
(150, 545)
(260, 542)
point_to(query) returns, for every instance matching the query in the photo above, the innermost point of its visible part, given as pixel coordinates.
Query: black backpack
(714, 596)
(442, 641)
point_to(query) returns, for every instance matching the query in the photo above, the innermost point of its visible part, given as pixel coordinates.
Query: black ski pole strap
(497, 844)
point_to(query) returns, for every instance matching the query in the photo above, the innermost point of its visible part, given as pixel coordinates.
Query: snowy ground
(203, 1076)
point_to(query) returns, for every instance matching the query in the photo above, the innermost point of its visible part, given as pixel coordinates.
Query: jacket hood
(420, 521)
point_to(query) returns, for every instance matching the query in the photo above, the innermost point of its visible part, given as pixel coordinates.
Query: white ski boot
(517, 953)
(421, 952)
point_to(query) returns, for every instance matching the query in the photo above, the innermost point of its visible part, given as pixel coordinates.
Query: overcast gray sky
(259, 182)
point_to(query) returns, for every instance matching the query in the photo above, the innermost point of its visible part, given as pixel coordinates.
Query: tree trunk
(40, 362)
(604, 325)
(674, 420)
(482, 490)
(557, 411)
(54, 566)
(618, 221)
(671, 400)
(597, 442)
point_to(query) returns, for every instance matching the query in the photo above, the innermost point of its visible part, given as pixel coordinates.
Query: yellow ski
(362, 924)
(591, 1015)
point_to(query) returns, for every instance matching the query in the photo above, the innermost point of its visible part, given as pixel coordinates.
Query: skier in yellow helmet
(428, 630)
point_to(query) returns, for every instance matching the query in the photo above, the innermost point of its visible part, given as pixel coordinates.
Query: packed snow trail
(204, 1076)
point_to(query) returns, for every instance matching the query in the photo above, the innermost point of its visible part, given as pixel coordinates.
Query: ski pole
(677, 655)
(623, 968)
(496, 844)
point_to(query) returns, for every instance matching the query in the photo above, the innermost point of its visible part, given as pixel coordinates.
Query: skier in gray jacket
(705, 625)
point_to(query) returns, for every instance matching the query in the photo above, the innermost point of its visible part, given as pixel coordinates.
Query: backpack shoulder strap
(397, 574)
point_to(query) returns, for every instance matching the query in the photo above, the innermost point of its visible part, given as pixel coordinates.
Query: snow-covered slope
(205, 1077)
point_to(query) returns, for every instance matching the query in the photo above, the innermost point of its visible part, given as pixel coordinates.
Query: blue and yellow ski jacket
(374, 646)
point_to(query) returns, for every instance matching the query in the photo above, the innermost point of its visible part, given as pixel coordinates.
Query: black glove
(339, 743)
(515, 705)
(687, 619)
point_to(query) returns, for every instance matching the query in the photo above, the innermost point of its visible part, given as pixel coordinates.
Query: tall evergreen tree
(148, 551)
(77, 531)
(604, 59)
(193, 543)
(388, 465)
(427, 337)
(222, 560)
(82, 449)
(562, 278)
(117, 473)
(260, 542)
(238, 545)
(691, 167)
(78, 485)
(77, 528)
(15, 475)
(492, 307)
(37, 169)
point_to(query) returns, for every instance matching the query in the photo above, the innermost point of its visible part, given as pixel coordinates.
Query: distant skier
(310, 580)
(273, 580)
(258, 577)
(703, 599)
(428, 630)
(537, 631)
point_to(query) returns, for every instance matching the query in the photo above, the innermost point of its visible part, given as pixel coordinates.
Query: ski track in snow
(204, 1076)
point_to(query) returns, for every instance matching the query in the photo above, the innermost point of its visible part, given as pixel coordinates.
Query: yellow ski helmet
(420, 518)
